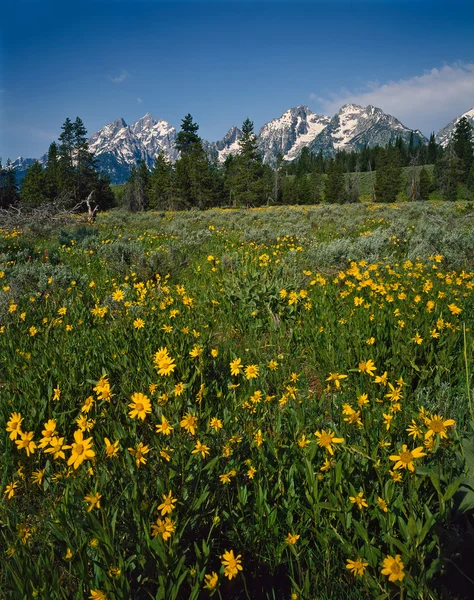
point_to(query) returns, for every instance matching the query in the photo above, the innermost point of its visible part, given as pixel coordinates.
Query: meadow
(269, 403)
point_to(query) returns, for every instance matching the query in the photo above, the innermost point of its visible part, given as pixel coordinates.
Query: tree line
(244, 180)
(198, 180)
(70, 172)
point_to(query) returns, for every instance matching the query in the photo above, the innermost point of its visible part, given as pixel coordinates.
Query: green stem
(468, 378)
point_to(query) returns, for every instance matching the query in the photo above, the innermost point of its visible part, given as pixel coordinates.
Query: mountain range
(118, 146)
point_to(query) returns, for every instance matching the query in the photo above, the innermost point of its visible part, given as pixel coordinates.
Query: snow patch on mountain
(290, 133)
(444, 135)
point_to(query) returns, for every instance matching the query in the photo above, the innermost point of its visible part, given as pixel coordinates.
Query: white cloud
(139, 100)
(427, 102)
(119, 78)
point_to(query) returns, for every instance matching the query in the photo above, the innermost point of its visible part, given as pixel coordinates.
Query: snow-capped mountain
(290, 133)
(444, 135)
(229, 144)
(354, 127)
(119, 146)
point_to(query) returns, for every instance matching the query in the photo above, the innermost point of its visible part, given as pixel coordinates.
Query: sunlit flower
(215, 424)
(357, 566)
(327, 439)
(168, 504)
(201, 449)
(81, 450)
(164, 428)
(368, 367)
(258, 438)
(455, 310)
(393, 568)
(93, 500)
(26, 442)
(382, 504)
(140, 406)
(189, 422)
(337, 378)
(10, 490)
(164, 527)
(437, 426)
(405, 459)
(57, 447)
(292, 538)
(139, 454)
(211, 580)
(14, 425)
(251, 371)
(111, 449)
(231, 563)
(359, 500)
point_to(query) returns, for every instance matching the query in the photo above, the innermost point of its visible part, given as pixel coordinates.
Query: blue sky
(224, 61)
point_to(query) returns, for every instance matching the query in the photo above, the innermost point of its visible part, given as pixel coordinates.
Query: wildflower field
(272, 403)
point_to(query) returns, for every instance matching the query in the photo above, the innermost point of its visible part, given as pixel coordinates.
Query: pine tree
(462, 144)
(187, 139)
(52, 172)
(334, 188)
(8, 187)
(424, 184)
(248, 171)
(160, 186)
(470, 179)
(315, 186)
(450, 170)
(136, 188)
(85, 167)
(432, 150)
(303, 189)
(67, 176)
(34, 190)
(193, 169)
(388, 176)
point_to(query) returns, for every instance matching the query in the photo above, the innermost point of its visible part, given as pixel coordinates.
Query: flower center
(325, 439)
(395, 568)
(436, 425)
(79, 448)
(139, 406)
(406, 457)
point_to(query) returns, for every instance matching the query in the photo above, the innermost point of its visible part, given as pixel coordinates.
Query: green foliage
(388, 176)
(310, 295)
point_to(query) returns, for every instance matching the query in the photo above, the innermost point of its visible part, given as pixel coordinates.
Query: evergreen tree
(8, 187)
(34, 190)
(432, 150)
(67, 176)
(303, 189)
(248, 171)
(137, 186)
(187, 139)
(160, 186)
(52, 172)
(334, 188)
(470, 179)
(288, 195)
(315, 179)
(85, 167)
(352, 187)
(277, 178)
(193, 168)
(450, 171)
(462, 144)
(424, 184)
(388, 176)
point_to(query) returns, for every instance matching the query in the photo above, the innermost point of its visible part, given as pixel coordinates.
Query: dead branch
(58, 211)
